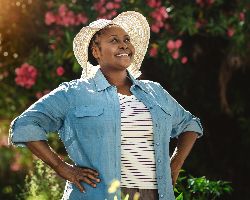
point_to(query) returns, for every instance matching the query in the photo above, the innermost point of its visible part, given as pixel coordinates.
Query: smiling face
(113, 49)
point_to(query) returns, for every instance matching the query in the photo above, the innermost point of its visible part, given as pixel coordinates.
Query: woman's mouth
(123, 55)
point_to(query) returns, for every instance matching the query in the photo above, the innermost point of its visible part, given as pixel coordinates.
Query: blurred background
(199, 51)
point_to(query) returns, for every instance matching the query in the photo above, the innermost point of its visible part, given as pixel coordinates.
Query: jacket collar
(102, 83)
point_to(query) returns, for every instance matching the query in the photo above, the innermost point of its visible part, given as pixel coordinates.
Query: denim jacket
(86, 115)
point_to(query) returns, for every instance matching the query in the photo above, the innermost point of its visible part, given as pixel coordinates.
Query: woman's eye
(127, 40)
(114, 40)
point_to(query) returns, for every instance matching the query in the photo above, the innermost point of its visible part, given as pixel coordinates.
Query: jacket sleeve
(182, 120)
(44, 116)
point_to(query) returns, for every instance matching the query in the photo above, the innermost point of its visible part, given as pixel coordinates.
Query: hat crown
(99, 24)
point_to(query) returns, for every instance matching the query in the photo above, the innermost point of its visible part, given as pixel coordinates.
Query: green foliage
(191, 188)
(42, 184)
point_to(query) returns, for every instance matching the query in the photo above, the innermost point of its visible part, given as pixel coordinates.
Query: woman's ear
(95, 52)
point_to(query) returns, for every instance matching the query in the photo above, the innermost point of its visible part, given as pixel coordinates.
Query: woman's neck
(117, 78)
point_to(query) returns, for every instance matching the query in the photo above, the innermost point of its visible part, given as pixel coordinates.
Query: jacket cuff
(21, 134)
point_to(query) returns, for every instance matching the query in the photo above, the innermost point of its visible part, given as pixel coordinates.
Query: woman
(113, 126)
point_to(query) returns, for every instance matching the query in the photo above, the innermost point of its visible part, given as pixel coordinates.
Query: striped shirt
(137, 145)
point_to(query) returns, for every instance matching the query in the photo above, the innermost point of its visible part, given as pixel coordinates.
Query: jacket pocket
(88, 111)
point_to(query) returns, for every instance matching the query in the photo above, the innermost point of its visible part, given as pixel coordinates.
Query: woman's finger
(80, 187)
(93, 178)
(86, 180)
(88, 170)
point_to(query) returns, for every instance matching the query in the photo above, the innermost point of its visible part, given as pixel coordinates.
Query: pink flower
(46, 91)
(102, 11)
(52, 46)
(117, 6)
(156, 15)
(113, 13)
(210, 2)
(242, 16)
(160, 24)
(163, 12)
(153, 52)
(204, 2)
(230, 31)
(110, 5)
(39, 95)
(178, 44)
(175, 55)
(26, 75)
(62, 10)
(97, 6)
(15, 165)
(60, 71)
(49, 18)
(184, 60)
(81, 19)
(155, 28)
(153, 3)
(201, 3)
(69, 19)
(171, 45)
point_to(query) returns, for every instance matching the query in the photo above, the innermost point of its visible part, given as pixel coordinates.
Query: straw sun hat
(134, 23)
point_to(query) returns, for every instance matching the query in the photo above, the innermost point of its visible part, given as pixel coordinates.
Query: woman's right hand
(76, 175)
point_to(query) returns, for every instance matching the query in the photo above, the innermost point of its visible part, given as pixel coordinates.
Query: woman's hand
(71, 173)
(77, 174)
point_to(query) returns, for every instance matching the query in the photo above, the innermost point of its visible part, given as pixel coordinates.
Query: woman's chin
(124, 65)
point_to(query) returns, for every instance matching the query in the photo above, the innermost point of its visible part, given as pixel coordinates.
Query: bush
(191, 188)
(43, 184)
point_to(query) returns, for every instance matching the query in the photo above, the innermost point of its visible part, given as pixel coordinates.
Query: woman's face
(115, 51)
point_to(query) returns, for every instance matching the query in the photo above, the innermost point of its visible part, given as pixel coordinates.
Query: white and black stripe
(137, 145)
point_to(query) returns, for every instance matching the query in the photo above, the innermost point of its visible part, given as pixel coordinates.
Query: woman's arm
(184, 145)
(71, 173)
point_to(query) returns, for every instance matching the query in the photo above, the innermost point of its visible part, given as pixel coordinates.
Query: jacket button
(157, 143)
(158, 160)
(160, 177)
(161, 195)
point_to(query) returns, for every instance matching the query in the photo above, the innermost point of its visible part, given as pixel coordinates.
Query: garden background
(199, 52)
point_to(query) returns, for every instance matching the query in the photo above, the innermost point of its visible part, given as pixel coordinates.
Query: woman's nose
(123, 45)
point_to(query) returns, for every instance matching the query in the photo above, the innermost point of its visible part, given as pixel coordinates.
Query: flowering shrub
(65, 17)
(53, 61)
(107, 9)
(26, 75)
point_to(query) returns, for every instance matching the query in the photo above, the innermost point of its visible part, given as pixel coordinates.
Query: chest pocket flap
(88, 111)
